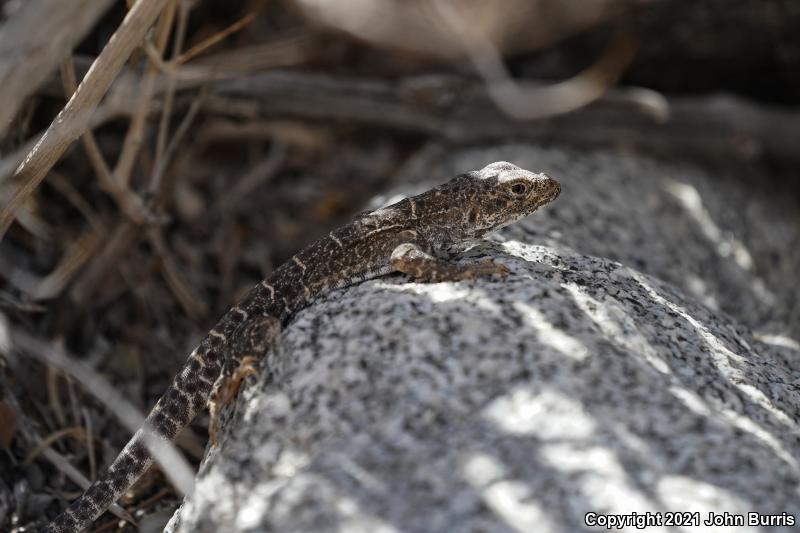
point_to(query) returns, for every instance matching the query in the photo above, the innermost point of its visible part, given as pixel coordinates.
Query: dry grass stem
(89, 443)
(117, 104)
(52, 395)
(121, 238)
(169, 93)
(156, 179)
(73, 120)
(75, 256)
(32, 438)
(61, 184)
(194, 306)
(135, 136)
(214, 39)
(169, 458)
(33, 41)
(128, 201)
(75, 432)
(63, 465)
(307, 136)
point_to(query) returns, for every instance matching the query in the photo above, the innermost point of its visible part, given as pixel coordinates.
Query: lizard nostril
(555, 189)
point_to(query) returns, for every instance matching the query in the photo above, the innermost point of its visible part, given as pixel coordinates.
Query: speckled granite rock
(577, 384)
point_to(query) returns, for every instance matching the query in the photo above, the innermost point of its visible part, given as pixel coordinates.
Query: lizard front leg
(249, 344)
(410, 259)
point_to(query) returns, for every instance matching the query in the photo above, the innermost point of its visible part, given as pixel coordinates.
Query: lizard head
(495, 196)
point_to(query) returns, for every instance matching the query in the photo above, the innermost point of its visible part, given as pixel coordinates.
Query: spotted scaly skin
(408, 236)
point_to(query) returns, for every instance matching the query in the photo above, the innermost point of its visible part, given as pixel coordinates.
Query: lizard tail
(183, 400)
(106, 490)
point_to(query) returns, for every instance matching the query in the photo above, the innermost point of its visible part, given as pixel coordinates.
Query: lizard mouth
(547, 194)
(553, 190)
(556, 189)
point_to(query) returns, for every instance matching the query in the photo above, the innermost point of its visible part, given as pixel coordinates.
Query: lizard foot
(410, 259)
(254, 337)
(225, 389)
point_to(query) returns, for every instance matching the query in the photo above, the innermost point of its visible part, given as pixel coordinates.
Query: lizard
(414, 236)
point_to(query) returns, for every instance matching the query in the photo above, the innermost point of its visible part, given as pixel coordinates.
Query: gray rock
(613, 371)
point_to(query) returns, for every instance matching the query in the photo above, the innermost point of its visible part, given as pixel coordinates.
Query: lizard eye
(519, 188)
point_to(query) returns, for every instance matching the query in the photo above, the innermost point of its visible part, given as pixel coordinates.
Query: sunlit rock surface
(641, 356)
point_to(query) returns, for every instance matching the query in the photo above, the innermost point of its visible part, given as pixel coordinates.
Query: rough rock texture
(580, 383)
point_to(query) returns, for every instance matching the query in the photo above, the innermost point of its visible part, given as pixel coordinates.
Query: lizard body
(402, 237)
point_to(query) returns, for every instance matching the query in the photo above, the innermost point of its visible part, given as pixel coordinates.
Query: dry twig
(716, 126)
(155, 186)
(169, 94)
(74, 432)
(73, 120)
(89, 434)
(126, 199)
(135, 136)
(32, 438)
(125, 235)
(75, 256)
(194, 306)
(61, 184)
(214, 39)
(52, 395)
(33, 41)
(171, 461)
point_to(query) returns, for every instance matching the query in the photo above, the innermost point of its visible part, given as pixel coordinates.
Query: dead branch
(135, 135)
(166, 112)
(126, 234)
(32, 440)
(75, 256)
(459, 110)
(170, 459)
(34, 40)
(128, 201)
(72, 121)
